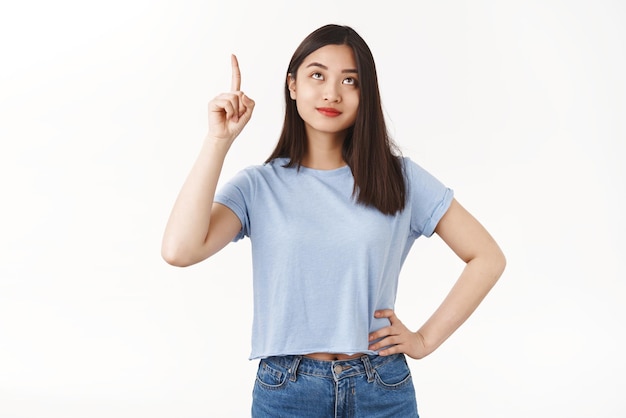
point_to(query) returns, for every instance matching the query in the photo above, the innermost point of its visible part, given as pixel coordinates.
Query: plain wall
(518, 106)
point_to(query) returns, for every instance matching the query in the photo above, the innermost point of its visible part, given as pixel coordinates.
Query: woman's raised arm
(198, 228)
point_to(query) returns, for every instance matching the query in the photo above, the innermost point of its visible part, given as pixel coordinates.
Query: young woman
(332, 215)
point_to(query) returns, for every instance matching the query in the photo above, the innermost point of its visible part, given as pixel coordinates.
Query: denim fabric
(370, 387)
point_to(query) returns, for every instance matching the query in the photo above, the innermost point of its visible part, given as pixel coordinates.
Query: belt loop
(369, 370)
(294, 368)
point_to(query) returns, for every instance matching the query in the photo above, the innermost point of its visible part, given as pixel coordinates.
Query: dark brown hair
(368, 149)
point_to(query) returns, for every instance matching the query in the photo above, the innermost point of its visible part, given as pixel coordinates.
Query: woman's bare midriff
(332, 356)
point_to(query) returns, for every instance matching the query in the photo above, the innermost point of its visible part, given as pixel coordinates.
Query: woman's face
(326, 90)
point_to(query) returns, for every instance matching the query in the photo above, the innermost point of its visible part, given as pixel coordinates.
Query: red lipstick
(328, 111)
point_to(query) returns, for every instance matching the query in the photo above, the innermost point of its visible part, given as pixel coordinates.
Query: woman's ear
(291, 84)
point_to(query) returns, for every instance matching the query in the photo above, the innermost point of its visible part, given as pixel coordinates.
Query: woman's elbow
(498, 262)
(175, 255)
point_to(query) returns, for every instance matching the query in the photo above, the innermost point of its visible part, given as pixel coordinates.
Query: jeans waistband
(337, 369)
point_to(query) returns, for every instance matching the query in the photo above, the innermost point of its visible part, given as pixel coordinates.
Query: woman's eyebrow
(322, 66)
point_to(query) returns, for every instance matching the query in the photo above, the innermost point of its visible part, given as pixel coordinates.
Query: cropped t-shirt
(323, 263)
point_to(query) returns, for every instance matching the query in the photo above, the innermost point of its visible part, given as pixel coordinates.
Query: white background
(519, 106)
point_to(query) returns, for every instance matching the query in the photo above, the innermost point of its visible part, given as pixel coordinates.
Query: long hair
(368, 149)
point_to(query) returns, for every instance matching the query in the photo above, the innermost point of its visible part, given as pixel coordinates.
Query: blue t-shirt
(322, 264)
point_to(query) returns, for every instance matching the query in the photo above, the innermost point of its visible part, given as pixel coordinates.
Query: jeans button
(338, 369)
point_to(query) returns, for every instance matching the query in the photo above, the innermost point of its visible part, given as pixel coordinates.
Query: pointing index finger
(235, 84)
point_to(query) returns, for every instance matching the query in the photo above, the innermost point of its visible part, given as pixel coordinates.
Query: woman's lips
(328, 111)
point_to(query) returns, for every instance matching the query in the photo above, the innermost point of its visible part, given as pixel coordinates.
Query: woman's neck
(324, 152)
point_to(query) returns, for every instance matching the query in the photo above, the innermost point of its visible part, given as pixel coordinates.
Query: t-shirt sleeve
(235, 195)
(429, 199)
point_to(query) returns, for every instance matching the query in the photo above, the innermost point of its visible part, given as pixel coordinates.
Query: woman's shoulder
(264, 170)
(272, 165)
(410, 166)
(415, 172)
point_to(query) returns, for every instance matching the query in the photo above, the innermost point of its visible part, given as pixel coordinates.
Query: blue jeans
(370, 386)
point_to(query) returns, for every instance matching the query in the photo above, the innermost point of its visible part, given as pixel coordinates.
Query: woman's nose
(331, 93)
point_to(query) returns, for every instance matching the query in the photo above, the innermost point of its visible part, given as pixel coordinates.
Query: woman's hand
(397, 338)
(230, 112)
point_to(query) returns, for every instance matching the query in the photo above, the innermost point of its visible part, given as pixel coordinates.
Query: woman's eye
(350, 81)
(317, 76)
